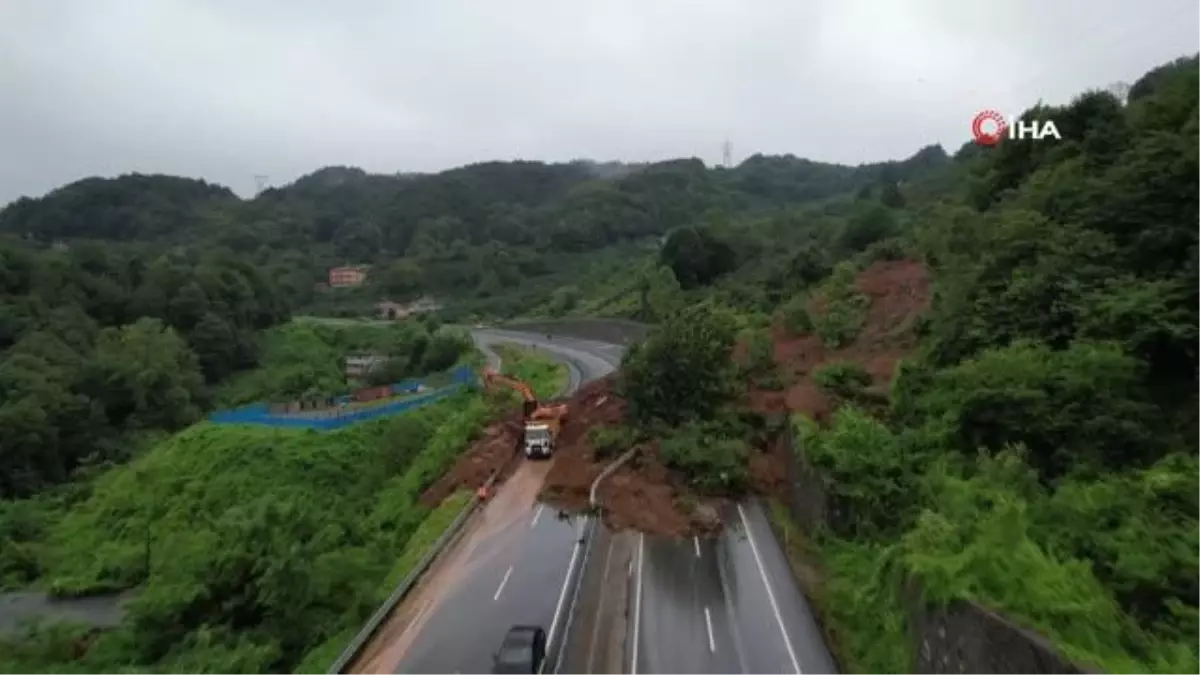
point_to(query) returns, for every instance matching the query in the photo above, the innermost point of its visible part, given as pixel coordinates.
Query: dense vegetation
(104, 343)
(307, 359)
(1037, 454)
(496, 238)
(1040, 451)
(250, 546)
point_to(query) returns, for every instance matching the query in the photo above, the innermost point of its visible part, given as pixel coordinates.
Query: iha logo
(990, 126)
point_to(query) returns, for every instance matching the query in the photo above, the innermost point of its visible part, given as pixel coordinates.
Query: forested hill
(343, 215)
(125, 302)
(1034, 449)
(132, 207)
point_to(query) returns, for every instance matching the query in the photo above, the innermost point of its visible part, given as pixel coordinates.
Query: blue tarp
(259, 413)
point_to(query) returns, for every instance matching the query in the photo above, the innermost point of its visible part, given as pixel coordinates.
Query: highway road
(508, 566)
(722, 605)
(729, 604)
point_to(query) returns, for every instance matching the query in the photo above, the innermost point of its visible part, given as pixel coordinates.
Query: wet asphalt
(515, 578)
(518, 575)
(722, 605)
(728, 604)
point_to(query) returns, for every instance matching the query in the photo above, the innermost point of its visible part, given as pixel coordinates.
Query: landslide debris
(493, 452)
(643, 494)
(898, 292)
(648, 496)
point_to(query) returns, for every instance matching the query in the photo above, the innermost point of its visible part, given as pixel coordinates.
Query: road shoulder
(597, 642)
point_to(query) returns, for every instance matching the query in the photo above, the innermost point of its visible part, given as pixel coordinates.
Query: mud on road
(645, 495)
(641, 495)
(478, 545)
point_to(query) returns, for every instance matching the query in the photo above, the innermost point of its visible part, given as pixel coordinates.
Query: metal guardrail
(368, 631)
(586, 535)
(574, 576)
(608, 470)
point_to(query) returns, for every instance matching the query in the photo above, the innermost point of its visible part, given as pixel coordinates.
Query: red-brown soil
(642, 495)
(899, 291)
(647, 496)
(494, 452)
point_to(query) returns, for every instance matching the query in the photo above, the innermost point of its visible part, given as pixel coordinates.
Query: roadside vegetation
(679, 382)
(1035, 449)
(247, 546)
(547, 376)
(308, 359)
(1039, 453)
(250, 546)
(320, 658)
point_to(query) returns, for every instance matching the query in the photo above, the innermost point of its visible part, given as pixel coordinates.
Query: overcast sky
(227, 89)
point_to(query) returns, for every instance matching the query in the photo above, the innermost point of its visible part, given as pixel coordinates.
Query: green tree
(683, 369)
(146, 375)
(696, 256)
(402, 279)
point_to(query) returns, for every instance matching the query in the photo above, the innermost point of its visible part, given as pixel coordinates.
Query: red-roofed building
(340, 277)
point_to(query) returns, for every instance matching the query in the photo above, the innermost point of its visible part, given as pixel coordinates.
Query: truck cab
(539, 439)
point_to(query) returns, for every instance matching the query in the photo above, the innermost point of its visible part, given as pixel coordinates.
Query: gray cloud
(226, 89)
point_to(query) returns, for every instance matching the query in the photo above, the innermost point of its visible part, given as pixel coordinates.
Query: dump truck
(540, 438)
(542, 423)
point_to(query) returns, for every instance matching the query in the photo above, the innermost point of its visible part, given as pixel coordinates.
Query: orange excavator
(542, 422)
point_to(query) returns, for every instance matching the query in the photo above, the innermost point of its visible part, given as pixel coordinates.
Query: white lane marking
(599, 608)
(637, 603)
(712, 644)
(731, 616)
(562, 595)
(537, 514)
(770, 594)
(502, 582)
(696, 541)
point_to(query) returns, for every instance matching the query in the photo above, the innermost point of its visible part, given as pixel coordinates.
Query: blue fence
(260, 413)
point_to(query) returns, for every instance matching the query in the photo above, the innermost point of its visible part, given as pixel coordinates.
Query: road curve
(509, 565)
(719, 605)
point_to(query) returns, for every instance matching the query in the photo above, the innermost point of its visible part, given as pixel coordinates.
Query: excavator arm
(532, 408)
(491, 377)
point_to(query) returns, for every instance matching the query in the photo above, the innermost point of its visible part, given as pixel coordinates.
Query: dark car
(522, 651)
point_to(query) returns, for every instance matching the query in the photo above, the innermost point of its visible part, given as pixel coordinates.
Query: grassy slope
(297, 532)
(321, 657)
(547, 376)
